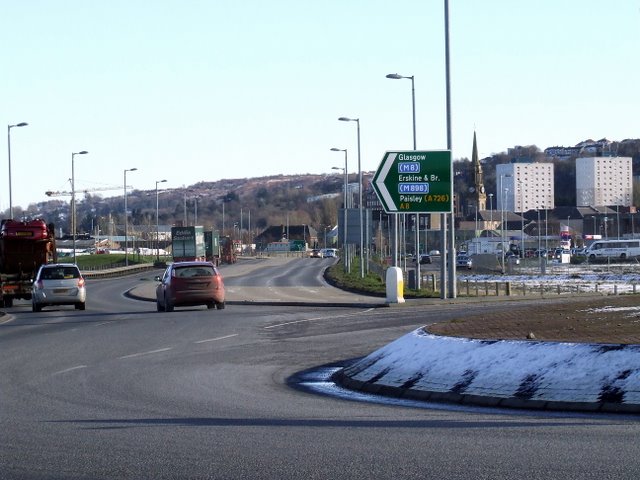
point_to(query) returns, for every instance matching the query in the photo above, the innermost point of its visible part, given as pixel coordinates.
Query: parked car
(58, 284)
(464, 261)
(190, 284)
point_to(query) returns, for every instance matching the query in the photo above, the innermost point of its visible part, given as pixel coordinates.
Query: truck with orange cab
(24, 246)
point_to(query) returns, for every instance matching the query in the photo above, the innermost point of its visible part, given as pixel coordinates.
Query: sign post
(413, 182)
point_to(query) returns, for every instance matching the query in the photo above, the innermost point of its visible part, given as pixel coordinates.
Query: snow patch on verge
(504, 369)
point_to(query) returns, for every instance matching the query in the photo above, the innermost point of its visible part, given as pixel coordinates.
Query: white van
(621, 249)
(328, 252)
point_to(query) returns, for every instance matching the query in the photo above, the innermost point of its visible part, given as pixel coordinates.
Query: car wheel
(159, 306)
(167, 305)
(80, 306)
(36, 307)
(8, 302)
(211, 305)
(220, 305)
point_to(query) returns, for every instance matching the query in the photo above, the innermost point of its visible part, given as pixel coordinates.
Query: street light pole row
(360, 206)
(347, 264)
(73, 194)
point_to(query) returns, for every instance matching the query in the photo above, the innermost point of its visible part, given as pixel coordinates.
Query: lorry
(187, 244)
(24, 247)
(212, 246)
(227, 250)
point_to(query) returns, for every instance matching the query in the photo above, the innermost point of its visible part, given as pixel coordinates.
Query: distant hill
(311, 199)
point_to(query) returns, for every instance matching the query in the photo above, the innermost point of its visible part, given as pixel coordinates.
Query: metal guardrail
(507, 288)
(118, 271)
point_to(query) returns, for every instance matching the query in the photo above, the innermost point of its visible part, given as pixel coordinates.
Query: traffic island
(502, 373)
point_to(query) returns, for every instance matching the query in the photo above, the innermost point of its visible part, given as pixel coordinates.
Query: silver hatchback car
(58, 284)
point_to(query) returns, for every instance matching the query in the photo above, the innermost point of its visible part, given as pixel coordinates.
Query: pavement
(577, 353)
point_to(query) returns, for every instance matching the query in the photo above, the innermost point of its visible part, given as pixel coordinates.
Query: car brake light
(80, 282)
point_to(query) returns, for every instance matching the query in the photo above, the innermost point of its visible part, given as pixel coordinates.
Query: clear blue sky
(204, 90)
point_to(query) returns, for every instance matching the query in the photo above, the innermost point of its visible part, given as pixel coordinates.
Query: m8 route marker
(415, 182)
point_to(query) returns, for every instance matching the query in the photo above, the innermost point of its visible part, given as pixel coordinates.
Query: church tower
(478, 180)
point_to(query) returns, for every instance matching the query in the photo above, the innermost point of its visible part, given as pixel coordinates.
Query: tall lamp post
(360, 206)
(503, 200)
(73, 200)
(344, 220)
(126, 220)
(521, 187)
(9, 127)
(396, 76)
(490, 213)
(157, 221)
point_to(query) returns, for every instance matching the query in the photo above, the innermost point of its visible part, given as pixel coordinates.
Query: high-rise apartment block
(604, 181)
(524, 186)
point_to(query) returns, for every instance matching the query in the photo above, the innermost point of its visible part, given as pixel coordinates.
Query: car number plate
(60, 290)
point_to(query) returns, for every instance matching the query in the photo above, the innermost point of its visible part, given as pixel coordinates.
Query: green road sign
(415, 182)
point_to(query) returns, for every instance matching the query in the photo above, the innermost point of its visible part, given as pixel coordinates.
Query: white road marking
(217, 338)
(145, 353)
(318, 318)
(69, 369)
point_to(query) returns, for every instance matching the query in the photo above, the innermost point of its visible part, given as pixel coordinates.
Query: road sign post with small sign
(415, 182)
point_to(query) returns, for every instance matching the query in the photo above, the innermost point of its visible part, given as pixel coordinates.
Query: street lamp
(73, 200)
(503, 200)
(157, 222)
(347, 264)
(396, 76)
(357, 120)
(126, 221)
(521, 186)
(9, 127)
(490, 212)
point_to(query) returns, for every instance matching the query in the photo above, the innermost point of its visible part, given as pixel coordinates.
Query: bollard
(395, 285)
(497, 289)
(507, 289)
(467, 287)
(559, 289)
(524, 289)
(486, 289)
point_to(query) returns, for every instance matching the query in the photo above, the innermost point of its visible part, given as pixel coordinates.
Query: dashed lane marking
(318, 318)
(66, 370)
(140, 354)
(216, 339)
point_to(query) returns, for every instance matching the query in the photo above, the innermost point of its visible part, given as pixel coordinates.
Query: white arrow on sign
(382, 188)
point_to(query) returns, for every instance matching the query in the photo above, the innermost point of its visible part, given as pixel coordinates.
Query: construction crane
(59, 193)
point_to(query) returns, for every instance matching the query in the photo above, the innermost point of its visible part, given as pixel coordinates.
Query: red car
(190, 283)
